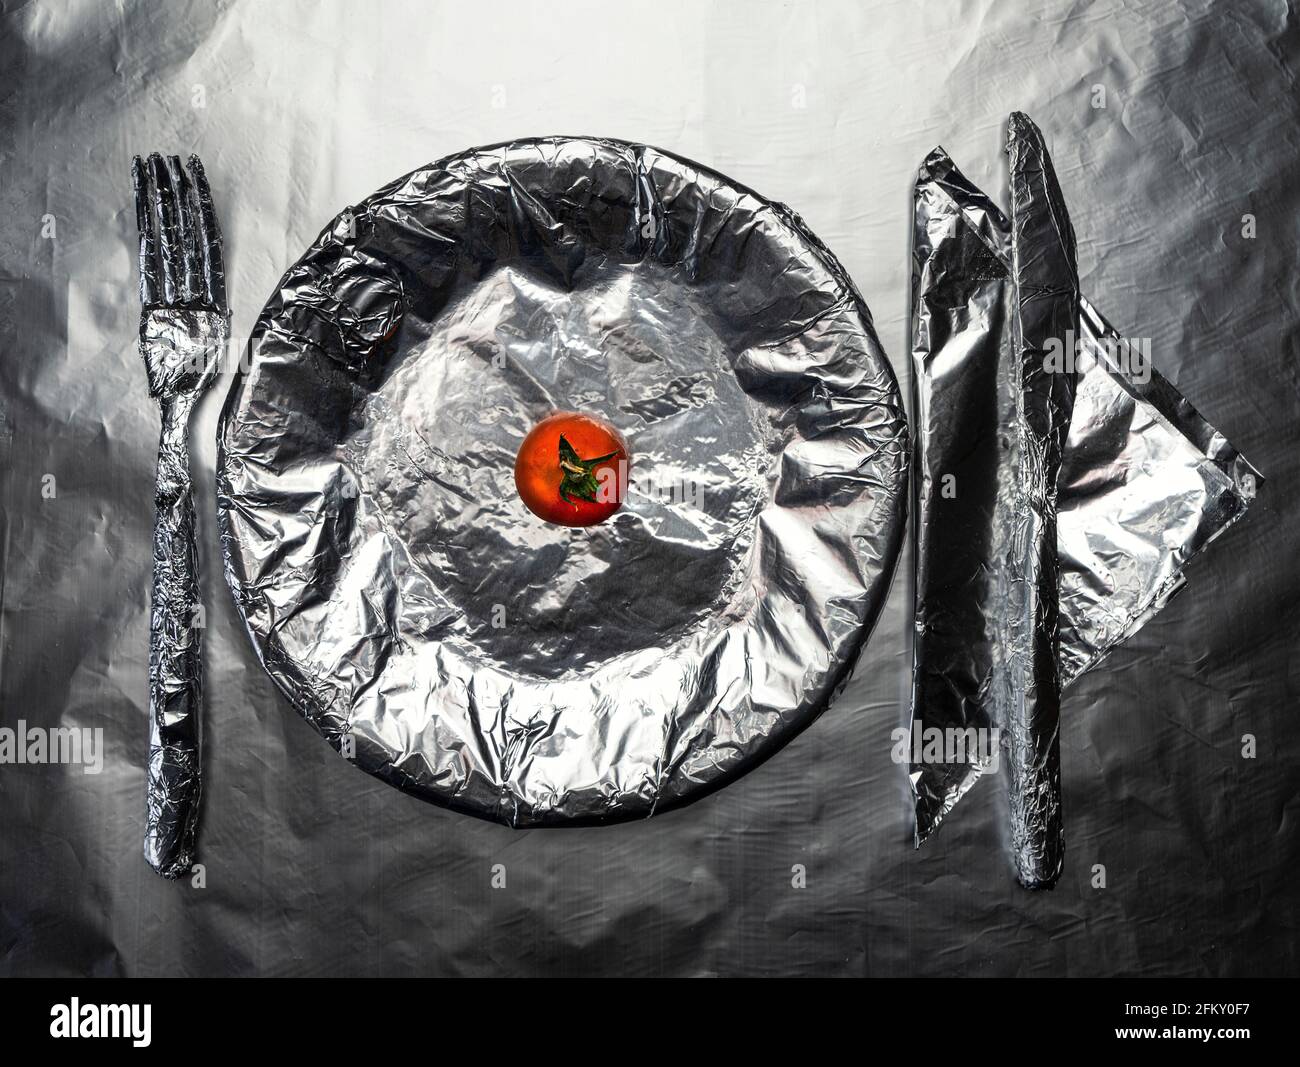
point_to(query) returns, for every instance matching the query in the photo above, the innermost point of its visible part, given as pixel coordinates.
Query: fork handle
(175, 656)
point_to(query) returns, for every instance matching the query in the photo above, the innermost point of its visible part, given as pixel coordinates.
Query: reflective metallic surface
(1044, 306)
(440, 634)
(805, 864)
(184, 325)
(1144, 484)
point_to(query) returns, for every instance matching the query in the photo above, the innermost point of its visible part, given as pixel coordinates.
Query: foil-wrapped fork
(184, 326)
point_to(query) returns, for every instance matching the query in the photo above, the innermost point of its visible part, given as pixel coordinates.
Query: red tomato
(572, 469)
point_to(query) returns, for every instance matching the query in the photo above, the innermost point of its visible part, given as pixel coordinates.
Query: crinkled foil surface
(434, 629)
(1141, 483)
(1183, 191)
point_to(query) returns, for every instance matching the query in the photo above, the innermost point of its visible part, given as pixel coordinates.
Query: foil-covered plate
(444, 638)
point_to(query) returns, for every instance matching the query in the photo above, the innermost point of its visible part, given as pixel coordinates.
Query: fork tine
(196, 264)
(211, 260)
(145, 224)
(165, 206)
(188, 230)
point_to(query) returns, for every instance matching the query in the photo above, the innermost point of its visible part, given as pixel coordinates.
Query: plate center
(440, 433)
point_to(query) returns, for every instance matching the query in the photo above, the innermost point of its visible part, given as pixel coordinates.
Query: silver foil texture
(1061, 487)
(423, 620)
(184, 326)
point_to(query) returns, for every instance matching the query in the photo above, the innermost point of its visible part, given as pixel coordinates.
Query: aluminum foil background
(312, 868)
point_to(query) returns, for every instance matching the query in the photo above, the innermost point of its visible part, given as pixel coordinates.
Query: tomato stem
(579, 479)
